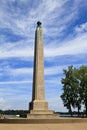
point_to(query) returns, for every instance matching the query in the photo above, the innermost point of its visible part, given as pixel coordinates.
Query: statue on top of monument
(39, 24)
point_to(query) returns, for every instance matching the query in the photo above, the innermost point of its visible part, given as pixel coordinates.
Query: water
(12, 116)
(69, 115)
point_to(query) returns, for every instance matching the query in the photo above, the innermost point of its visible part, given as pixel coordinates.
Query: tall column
(38, 76)
(38, 103)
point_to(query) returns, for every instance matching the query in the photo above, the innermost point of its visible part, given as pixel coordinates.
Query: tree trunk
(70, 110)
(78, 112)
(86, 109)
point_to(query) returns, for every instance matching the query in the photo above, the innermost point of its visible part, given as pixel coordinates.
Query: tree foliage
(75, 88)
(83, 85)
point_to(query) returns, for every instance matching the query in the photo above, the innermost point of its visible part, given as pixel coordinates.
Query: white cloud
(15, 82)
(73, 47)
(81, 28)
(56, 104)
(4, 104)
(21, 71)
(2, 100)
(19, 49)
(53, 70)
(24, 25)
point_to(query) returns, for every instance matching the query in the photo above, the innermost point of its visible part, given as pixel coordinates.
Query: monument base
(39, 110)
(42, 116)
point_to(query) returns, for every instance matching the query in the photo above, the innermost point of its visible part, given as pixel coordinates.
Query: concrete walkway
(61, 126)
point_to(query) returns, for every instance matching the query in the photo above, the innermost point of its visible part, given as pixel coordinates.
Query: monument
(38, 107)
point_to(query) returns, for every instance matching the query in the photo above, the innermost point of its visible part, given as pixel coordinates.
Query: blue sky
(64, 24)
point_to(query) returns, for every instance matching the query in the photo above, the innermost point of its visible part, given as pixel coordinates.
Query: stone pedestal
(42, 116)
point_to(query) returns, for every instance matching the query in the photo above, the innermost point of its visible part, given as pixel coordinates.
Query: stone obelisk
(38, 107)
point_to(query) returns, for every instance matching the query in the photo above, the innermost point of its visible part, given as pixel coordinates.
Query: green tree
(75, 88)
(70, 84)
(78, 101)
(83, 85)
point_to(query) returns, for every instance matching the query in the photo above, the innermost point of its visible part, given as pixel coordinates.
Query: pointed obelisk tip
(39, 24)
